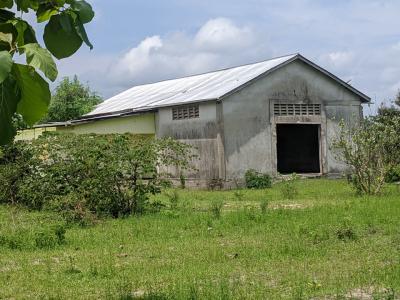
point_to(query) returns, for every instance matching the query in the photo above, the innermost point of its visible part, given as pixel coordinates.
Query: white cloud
(138, 59)
(338, 59)
(222, 34)
(217, 44)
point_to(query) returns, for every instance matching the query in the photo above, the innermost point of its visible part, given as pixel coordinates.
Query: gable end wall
(249, 125)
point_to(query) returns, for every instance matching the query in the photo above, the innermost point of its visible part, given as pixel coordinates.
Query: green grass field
(326, 243)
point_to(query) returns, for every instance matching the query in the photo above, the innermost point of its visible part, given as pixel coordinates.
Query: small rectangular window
(185, 112)
(292, 109)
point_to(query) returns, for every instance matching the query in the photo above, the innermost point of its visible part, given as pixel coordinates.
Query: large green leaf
(59, 42)
(6, 3)
(26, 34)
(66, 21)
(25, 5)
(20, 26)
(82, 33)
(29, 35)
(35, 93)
(8, 35)
(45, 11)
(6, 15)
(9, 97)
(41, 59)
(6, 38)
(84, 11)
(5, 65)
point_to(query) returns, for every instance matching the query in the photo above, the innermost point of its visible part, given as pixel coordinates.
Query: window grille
(185, 112)
(292, 109)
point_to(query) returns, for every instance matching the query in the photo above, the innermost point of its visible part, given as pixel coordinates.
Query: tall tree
(71, 100)
(22, 89)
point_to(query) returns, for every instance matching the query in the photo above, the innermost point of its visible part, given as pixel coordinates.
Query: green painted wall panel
(138, 124)
(30, 134)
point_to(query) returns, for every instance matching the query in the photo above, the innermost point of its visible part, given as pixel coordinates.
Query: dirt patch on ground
(289, 206)
(232, 206)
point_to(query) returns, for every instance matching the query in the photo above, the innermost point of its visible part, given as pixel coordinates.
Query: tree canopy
(70, 101)
(23, 90)
(392, 110)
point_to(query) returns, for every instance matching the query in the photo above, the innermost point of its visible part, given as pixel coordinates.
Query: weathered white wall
(350, 112)
(202, 133)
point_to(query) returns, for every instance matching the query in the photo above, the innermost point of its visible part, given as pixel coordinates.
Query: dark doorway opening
(298, 148)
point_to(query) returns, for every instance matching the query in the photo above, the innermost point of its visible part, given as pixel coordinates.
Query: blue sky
(144, 41)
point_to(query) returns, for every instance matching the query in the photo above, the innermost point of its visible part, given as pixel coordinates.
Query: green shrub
(72, 208)
(250, 212)
(346, 231)
(14, 165)
(216, 208)
(288, 188)
(85, 175)
(17, 241)
(393, 175)
(239, 195)
(48, 238)
(155, 206)
(60, 231)
(257, 180)
(45, 240)
(370, 149)
(173, 198)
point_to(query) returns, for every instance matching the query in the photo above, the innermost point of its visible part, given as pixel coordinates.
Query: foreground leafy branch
(22, 89)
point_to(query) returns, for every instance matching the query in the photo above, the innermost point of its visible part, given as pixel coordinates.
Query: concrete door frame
(316, 120)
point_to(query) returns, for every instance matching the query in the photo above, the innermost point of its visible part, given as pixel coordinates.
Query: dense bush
(14, 165)
(393, 175)
(371, 150)
(257, 180)
(88, 174)
(390, 117)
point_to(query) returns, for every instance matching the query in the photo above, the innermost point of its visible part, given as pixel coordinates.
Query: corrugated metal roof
(186, 90)
(203, 87)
